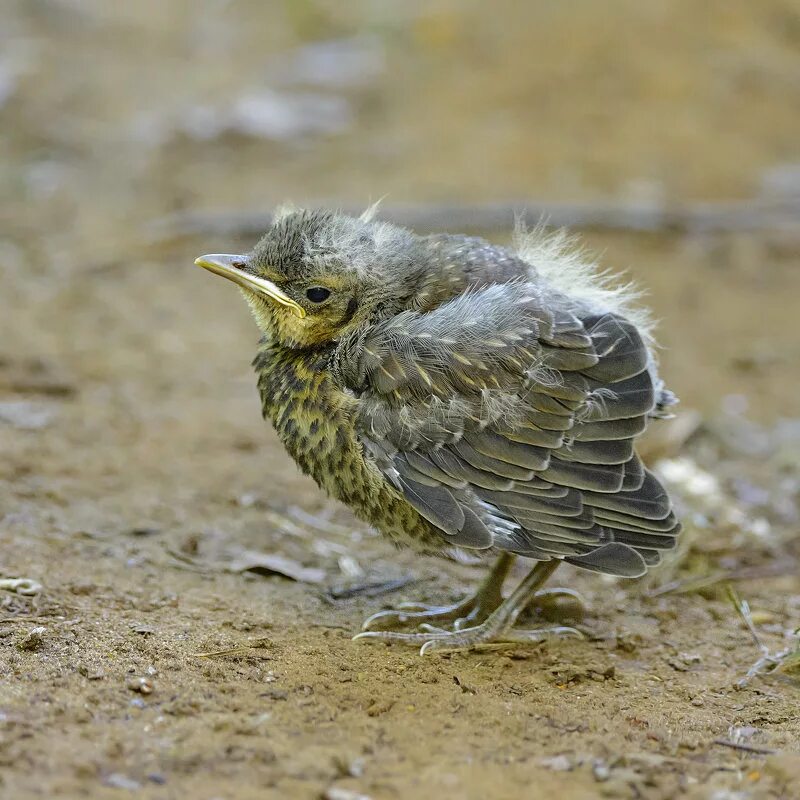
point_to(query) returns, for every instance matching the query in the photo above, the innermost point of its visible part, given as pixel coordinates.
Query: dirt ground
(158, 649)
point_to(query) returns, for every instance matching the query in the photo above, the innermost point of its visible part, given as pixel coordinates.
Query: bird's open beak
(231, 267)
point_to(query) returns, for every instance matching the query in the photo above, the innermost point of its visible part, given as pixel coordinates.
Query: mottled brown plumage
(456, 394)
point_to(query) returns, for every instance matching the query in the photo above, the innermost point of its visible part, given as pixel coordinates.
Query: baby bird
(460, 395)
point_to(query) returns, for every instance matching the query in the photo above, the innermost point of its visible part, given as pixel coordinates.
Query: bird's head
(317, 275)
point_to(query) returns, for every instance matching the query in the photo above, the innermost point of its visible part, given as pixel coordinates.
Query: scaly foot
(471, 611)
(495, 630)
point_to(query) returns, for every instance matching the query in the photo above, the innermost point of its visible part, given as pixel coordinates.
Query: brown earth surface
(137, 478)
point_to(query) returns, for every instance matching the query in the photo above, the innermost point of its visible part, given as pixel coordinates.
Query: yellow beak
(231, 267)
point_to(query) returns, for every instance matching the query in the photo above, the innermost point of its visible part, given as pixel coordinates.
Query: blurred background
(136, 136)
(115, 117)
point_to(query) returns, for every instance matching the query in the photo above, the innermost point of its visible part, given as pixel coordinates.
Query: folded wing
(508, 424)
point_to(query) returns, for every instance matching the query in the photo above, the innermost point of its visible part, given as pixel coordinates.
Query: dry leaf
(274, 564)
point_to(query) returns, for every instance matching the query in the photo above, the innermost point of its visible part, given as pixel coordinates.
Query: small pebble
(33, 640)
(141, 685)
(337, 793)
(91, 673)
(116, 780)
(26, 416)
(601, 771)
(557, 763)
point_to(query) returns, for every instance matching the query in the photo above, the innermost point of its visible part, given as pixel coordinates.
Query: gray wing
(508, 424)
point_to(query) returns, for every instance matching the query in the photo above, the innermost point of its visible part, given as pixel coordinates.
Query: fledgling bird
(456, 394)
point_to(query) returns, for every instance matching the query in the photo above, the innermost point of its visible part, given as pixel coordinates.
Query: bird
(461, 396)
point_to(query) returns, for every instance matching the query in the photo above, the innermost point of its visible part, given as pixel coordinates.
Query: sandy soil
(137, 479)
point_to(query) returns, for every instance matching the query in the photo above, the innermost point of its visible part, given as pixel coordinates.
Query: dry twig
(747, 748)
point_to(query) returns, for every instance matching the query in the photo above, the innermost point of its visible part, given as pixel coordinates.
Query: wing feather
(494, 464)
(436, 504)
(610, 452)
(512, 425)
(613, 558)
(495, 445)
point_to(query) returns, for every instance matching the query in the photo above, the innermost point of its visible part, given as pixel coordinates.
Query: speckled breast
(315, 421)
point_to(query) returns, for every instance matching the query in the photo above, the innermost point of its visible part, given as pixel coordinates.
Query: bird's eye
(318, 294)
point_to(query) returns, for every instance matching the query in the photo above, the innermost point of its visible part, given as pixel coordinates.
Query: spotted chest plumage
(315, 421)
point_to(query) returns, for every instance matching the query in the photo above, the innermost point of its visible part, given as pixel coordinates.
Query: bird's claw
(461, 614)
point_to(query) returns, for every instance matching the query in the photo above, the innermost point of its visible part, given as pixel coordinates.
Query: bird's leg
(473, 609)
(496, 629)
